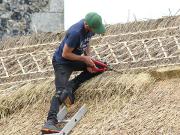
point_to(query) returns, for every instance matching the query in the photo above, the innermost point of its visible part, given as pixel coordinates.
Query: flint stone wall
(21, 17)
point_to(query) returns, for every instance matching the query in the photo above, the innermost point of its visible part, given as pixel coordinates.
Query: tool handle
(101, 67)
(96, 62)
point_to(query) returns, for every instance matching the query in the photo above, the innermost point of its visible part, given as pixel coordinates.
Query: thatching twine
(105, 93)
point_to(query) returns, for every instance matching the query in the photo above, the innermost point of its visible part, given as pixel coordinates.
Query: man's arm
(67, 53)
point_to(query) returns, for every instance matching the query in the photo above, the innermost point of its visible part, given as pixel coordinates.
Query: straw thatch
(30, 103)
(154, 111)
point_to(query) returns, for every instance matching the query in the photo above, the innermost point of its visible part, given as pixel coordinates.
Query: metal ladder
(71, 123)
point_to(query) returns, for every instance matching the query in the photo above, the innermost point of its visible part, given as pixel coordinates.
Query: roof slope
(130, 103)
(104, 96)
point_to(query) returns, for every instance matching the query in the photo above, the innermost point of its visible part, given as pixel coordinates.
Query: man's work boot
(49, 127)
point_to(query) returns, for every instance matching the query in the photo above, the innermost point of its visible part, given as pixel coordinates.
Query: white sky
(119, 11)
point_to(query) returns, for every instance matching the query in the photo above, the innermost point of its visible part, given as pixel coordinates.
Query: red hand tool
(100, 66)
(103, 66)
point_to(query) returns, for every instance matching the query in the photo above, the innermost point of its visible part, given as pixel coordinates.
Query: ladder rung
(65, 121)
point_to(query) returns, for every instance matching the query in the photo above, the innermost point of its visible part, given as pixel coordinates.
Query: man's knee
(65, 97)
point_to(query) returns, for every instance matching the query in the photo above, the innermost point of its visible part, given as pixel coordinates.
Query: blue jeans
(62, 83)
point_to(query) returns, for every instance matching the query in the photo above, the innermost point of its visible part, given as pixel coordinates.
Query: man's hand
(90, 70)
(88, 61)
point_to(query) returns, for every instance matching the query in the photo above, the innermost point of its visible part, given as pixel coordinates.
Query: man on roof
(73, 54)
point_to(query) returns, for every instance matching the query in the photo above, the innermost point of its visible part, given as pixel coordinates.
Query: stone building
(20, 17)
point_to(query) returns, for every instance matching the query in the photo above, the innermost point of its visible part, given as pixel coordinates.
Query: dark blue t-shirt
(77, 38)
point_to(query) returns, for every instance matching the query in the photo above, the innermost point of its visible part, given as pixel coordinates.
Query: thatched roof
(131, 27)
(28, 105)
(130, 103)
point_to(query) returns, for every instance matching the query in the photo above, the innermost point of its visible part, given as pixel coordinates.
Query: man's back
(77, 38)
